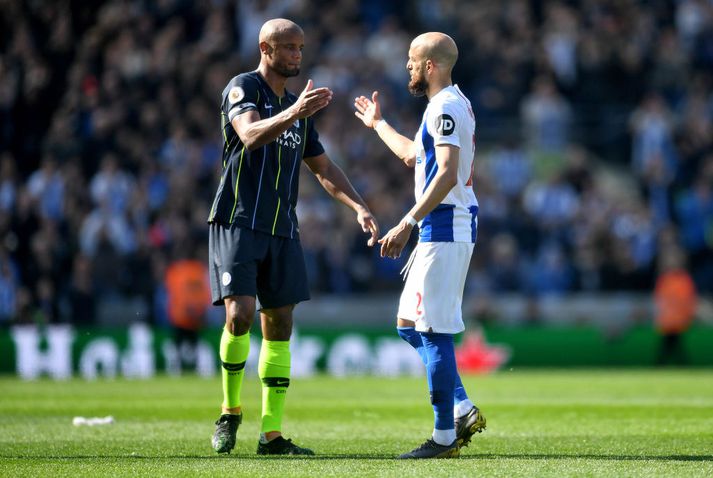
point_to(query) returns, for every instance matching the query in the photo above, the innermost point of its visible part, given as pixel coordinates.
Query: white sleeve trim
(451, 140)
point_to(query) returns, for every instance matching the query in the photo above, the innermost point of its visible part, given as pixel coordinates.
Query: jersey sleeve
(312, 146)
(240, 95)
(442, 124)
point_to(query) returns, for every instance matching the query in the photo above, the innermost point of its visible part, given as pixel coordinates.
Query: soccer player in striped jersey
(254, 244)
(446, 212)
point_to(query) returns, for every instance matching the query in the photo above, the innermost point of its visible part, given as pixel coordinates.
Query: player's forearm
(439, 188)
(335, 182)
(400, 145)
(262, 132)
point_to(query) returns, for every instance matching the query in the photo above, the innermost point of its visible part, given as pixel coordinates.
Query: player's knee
(404, 333)
(277, 325)
(239, 319)
(410, 336)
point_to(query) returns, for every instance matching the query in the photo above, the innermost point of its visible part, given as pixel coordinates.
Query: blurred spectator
(675, 297)
(653, 155)
(82, 301)
(546, 116)
(560, 42)
(8, 289)
(111, 186)
(8, 183)
(506, 269)
(553, 203)
(104, 226)
(695, 212)
(550, 273)
(46, 188)
(188, 299)
(510, 169)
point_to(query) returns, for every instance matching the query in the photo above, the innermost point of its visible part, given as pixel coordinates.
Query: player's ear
(265, 48)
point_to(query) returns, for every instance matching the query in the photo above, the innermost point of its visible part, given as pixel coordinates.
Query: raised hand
(368, 110)
(311, 100)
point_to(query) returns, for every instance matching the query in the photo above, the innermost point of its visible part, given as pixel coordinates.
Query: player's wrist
(410, 220)
(379, 124)
(293, 113)
(361, 209)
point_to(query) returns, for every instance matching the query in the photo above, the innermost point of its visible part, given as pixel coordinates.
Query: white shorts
(433, 293)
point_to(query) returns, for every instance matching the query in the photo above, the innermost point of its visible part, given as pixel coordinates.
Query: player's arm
(446, 178)
(369, 112)
(335, 182)
(393, 243)
(255, 132)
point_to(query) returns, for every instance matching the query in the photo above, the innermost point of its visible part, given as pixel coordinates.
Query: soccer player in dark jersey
(255, 249)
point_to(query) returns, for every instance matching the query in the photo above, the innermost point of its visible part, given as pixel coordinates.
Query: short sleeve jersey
(448, 120)
(258, 189)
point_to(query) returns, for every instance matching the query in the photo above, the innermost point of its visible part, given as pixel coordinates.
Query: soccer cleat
(431, 449)
(225, 429)
(280, 446)
(468, 425)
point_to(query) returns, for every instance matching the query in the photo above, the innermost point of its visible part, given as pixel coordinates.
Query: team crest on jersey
(226, 278)
(445, 125)
(236, 94)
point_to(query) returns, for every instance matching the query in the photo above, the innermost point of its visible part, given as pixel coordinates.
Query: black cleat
(431, 449)
(280, 446)
(468, 425)
(225, 430)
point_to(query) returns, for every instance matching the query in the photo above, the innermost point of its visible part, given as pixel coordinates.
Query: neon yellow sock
(234, 352)
(274, 371)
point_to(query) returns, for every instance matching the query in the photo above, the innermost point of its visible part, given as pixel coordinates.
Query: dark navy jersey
(258, 189)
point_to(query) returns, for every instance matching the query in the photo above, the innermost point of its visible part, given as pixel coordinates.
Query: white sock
(462, 408)
(444, 437)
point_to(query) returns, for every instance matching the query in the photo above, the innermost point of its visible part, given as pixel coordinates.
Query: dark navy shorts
(247, 262)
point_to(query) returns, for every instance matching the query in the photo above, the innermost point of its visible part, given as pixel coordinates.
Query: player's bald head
(277, 29)
(437, 47)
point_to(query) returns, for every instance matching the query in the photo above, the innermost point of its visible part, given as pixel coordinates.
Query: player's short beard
(418, 86)
(285, 71)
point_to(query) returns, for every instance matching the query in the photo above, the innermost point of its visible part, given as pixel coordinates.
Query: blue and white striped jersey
(448, 120)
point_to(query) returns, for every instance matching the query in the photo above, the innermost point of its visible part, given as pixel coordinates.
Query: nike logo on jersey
(268, 106)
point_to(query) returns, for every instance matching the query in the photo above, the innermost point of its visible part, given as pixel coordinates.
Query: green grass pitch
(540, 423)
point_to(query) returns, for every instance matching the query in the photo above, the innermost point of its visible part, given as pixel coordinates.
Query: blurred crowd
(594, 157)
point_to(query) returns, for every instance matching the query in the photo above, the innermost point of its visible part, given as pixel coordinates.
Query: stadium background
(594, 166)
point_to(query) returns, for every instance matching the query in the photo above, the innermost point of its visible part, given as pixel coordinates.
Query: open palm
(368, 110)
